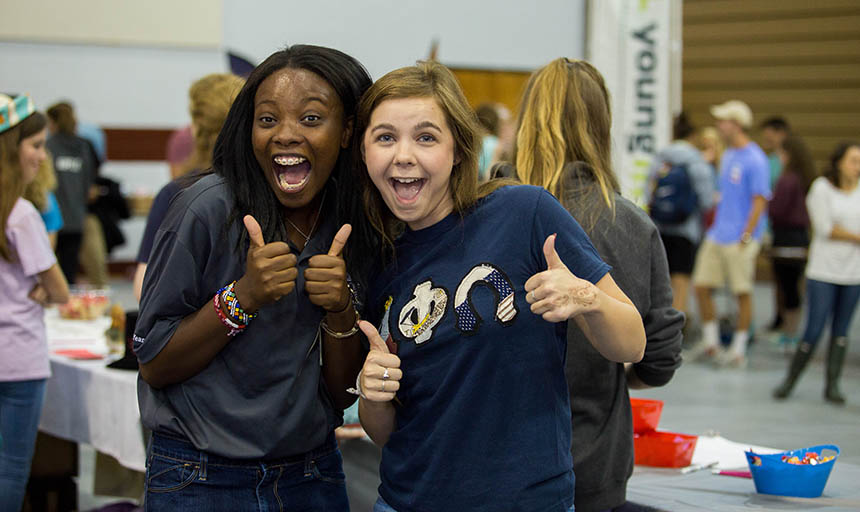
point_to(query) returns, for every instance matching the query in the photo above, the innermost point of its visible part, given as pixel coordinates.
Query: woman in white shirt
(833, 271)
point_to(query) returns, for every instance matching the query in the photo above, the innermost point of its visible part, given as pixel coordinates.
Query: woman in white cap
(30, 278)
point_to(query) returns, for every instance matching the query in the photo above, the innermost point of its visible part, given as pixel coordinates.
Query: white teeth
(289, 160)
(406, 181)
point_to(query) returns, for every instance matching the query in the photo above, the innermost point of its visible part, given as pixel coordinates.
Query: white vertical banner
(631, 43)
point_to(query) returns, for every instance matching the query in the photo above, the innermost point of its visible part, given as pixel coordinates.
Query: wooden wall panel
(807, 100)
(136, 144)
(762, 29)
(769, 53)
(732, 10)
(504, 87)
(776, 77)
(796, 58)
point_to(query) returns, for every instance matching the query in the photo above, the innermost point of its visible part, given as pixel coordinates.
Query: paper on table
(728, 454)
(78, 353)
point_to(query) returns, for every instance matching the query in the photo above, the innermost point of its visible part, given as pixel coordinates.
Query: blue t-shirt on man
(744, 174)
(483, 419)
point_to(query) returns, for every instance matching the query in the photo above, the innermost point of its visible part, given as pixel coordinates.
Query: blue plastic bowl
(773, 476)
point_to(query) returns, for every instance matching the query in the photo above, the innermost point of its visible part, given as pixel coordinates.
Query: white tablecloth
(87, 402)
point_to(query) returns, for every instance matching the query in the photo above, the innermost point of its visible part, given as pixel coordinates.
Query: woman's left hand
(556, 294)
(325, 278)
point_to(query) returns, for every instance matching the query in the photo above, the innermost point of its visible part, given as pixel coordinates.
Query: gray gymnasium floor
(734, 402)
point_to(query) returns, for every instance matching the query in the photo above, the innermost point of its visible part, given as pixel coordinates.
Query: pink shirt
(23, 347)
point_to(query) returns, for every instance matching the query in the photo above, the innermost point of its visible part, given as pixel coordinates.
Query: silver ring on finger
(383, 386)
(534, 299)
(385, 375)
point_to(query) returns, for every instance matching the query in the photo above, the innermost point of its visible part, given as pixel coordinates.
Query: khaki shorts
(718, 264)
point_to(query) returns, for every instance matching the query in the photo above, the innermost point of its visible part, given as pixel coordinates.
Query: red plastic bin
(663, 449)
(646, 414)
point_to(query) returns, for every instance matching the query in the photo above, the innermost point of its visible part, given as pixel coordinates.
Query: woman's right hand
(39, 295)
(381, 374)
(270, 272)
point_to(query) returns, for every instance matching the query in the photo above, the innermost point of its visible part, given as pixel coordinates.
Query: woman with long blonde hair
(563, 145)
(209, 101)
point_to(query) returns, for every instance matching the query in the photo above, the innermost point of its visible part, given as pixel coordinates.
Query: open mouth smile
(292, 172)
(407, 189)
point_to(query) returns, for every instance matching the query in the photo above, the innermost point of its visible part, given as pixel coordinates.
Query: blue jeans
(180, 477)
(382, 506)
(824, 300)
(20, 408)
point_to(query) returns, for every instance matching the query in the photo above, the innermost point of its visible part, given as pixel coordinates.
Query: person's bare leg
(736, 353)
(744, 311)
(706, 304)
(680, 291)
(710, 343)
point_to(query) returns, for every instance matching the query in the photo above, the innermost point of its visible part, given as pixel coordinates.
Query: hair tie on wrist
(340, 335)
(357, 389)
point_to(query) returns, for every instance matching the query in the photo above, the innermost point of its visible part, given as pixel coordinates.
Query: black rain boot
(835, 362)
(801, 357)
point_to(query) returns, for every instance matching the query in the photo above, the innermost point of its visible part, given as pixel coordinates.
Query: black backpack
(673, 199)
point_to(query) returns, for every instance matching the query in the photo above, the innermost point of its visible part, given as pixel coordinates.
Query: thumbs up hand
(325, 277)
(270, 272)
(556, 294)
(381, 374)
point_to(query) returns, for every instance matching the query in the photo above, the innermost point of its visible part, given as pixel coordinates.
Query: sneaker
(701, 351)
(774, 338)
(730, 359)
(788, 343)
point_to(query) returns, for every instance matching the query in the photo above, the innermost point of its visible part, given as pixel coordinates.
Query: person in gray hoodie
(565, 112)
(681, 239)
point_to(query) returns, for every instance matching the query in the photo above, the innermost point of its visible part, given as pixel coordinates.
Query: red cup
(663, 449)
(646, 414)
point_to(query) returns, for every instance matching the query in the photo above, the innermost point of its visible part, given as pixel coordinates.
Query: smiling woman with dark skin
(246, 305)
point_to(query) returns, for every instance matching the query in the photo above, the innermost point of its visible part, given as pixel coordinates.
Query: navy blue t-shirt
(484, 416)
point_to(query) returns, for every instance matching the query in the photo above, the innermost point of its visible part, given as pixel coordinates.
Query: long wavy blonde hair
(209, 101)
(44, 182)
(565, 119)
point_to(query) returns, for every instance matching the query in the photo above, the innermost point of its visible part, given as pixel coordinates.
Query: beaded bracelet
(230, 324)
(234, 309)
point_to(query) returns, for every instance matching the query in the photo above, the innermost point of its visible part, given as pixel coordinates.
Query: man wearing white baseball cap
(731, 245)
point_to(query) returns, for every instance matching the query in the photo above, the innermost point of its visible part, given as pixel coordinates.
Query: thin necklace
(311, 232)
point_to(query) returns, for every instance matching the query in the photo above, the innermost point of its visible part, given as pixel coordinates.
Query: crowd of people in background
(327, 239)
(777, 198)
